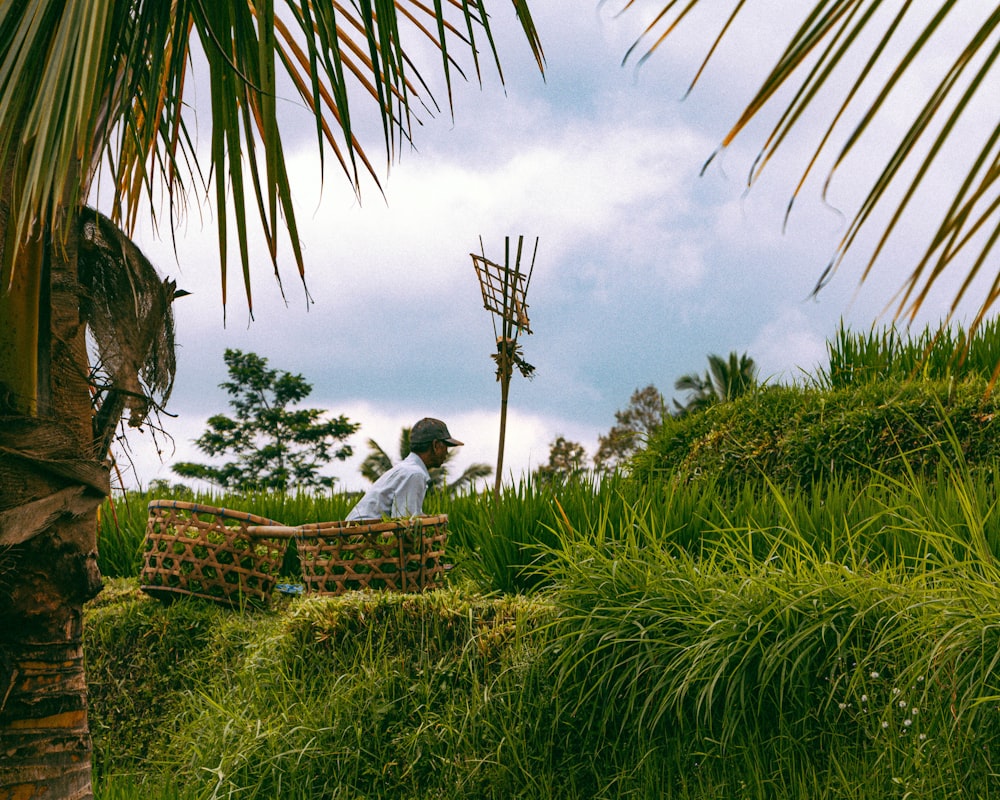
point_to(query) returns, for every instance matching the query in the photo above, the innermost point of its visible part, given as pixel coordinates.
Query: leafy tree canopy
(275, 445)
(633, 425)
(566, 460)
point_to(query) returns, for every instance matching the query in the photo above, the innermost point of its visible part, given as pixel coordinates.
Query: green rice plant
(366, 695)
(762, 644)
(497, 541)
(132, 788)
(946, 352)
(757, 667)
(120, 533)
(854, 520)
(140, 667)
(497, 544)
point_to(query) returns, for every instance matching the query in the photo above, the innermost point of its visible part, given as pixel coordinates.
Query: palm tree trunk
(51, 483)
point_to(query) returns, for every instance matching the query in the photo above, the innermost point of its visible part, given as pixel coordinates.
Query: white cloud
(600, 184)
(643, 266)
(787, 345)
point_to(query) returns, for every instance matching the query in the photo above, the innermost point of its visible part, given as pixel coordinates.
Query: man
(400, 491)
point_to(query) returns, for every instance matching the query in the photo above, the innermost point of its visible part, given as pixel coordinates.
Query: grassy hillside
(792, 595)
(798, 435)
(374, 695)
(760, 667)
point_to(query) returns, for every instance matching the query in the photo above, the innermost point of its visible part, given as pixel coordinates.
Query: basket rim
(226, 513)
(341, 526)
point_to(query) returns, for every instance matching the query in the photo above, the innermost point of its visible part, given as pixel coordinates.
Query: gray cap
(430, 430)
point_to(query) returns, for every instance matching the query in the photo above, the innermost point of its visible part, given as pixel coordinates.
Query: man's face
(439, 452)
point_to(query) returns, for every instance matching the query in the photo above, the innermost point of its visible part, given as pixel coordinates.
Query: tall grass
(370, 695)
(782, 657)
(942, 352)
(499, 545)
(850, 652)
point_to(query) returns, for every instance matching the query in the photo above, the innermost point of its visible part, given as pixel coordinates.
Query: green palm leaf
(376, 463)
(83, 84)
(876, 46)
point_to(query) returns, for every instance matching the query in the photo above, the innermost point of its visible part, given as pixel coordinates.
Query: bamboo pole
(504, 297)
(505, 368)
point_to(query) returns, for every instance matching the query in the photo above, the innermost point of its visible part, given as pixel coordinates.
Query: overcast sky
(644, 265)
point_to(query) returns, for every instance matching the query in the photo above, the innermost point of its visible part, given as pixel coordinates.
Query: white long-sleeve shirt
(397, 493)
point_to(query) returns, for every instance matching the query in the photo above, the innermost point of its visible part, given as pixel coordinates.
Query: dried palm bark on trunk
(51, 482)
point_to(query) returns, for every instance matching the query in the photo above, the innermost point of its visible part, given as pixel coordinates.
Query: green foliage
(942, 353)
(501, 545)
(160, 487)
(794, 434)
(839, 640)
(369, 695)
(861, 676)
(644, 414)
(725, 380)
(140, 665)
(121, 531)
(566, 461)
(132, 71)
(276, 446)
(495, 542)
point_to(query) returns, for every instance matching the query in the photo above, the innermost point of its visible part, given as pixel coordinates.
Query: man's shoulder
(409, 466)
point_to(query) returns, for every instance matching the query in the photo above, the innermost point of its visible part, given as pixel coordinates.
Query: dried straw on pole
(505, 290)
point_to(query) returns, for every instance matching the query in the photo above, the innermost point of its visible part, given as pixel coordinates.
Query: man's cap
(430, 430)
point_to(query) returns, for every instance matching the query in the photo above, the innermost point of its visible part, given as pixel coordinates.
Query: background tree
(161, 487)
(86, 85)
(378, 462)
(567, 459)
(643, 415)
(726, 379)
(276, 446)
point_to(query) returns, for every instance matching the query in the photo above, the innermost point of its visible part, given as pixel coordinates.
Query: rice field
(598, 638)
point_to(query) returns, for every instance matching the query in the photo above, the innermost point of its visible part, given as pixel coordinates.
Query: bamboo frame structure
(505, 289)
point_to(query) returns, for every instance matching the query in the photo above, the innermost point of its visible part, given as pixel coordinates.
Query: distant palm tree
(699, 389)
(725, 379)
(378, 462)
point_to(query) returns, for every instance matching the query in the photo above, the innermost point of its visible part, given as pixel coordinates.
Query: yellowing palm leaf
(856, 39)
(86, 83)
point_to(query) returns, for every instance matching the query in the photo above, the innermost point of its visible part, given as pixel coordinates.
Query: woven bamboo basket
(201, 551)
(401, 555)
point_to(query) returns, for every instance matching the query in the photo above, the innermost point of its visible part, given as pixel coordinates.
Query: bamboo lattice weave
(208, 552)
(403, 555)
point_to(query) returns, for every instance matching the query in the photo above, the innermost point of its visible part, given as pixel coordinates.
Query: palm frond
(86, 83)
(875, 46)
(469, 476)
(376, 463)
